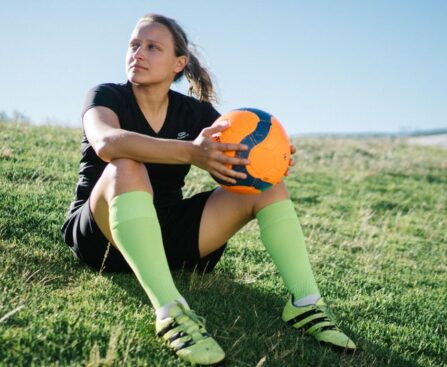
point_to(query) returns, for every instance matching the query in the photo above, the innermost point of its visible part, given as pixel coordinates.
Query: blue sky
(318, 66)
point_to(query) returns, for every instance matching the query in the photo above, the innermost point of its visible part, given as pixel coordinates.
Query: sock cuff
(131, 205)
(276, 212)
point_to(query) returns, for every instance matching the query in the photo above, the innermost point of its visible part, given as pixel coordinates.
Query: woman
(140, 139)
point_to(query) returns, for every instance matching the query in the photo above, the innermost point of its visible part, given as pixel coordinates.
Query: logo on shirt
(182, 135)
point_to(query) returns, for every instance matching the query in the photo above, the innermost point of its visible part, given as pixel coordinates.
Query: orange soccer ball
(268, 153)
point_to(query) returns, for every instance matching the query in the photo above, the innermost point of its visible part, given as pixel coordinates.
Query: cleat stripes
(176, 336)
(329, 327)
(183, 345)
(302, 316)
(184, 332)
(317, 320)
(167, 328)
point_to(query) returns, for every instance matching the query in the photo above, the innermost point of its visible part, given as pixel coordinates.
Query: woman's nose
(139, 53)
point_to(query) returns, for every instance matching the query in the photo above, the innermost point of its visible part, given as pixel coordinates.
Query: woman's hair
(198, 77)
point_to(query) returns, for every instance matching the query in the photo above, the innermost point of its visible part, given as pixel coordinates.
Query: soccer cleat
(185, 334)
(317, 320)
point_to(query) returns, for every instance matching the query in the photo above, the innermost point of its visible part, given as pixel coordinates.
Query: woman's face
(150, 55)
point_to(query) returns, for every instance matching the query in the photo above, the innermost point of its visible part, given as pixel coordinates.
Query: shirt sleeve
(209, 114)
(103, 95)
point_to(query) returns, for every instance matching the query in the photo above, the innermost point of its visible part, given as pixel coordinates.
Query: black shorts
(180, 223)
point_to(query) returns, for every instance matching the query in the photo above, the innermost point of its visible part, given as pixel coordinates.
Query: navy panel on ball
(263, 116)
(256, 137)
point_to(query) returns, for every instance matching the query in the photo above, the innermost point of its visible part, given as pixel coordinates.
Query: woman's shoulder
(121, 88)
(111, 95)
(189, 101)
(190, 107)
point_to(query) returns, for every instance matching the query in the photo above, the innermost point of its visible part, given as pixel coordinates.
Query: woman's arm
(103, 131)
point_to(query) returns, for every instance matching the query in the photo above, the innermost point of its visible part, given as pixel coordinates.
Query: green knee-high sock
(283, 238)
(136, 232)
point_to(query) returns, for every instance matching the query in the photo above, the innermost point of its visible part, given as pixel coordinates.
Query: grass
(374, 213)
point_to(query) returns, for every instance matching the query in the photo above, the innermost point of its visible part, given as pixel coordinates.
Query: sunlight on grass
(373, 212)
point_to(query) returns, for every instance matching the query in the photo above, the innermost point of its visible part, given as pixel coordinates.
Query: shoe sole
(334, 347)
(221, 363)
(338, 348)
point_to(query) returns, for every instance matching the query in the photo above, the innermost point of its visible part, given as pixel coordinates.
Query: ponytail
(199, 79)
(200, 83)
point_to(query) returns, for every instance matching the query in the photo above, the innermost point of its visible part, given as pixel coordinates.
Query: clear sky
(318, 66)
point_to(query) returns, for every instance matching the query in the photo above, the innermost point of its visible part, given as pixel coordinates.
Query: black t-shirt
(185, 118)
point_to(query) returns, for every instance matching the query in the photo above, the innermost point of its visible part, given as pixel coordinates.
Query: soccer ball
(268, 153)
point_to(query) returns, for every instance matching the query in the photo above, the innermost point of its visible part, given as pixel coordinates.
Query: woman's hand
(209, 154)
(291, 161)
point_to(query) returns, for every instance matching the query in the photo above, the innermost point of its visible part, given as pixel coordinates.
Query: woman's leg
(225, 213)
(121, 203)
(122, 206)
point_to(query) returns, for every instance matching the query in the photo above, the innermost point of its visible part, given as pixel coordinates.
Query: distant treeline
(18, 117)
(375, 134)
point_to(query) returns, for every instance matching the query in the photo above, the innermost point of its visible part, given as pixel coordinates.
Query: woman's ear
(181, 63)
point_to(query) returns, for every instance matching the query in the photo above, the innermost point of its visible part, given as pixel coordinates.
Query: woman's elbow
(104, 149)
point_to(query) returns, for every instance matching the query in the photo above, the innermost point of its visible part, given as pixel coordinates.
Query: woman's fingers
(213, 155)
(291, 161)
(227, 174)
(225, 164)
(292, 149)
(221, 166)
(224, 178)
(226, 147)
(217, 127)
(233, 161)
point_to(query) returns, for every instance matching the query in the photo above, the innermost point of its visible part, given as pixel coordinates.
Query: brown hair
(198, 77)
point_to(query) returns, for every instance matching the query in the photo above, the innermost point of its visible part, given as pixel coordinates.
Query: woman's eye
(134, 46)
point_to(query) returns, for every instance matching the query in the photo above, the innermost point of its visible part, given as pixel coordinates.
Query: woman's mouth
(138, 67)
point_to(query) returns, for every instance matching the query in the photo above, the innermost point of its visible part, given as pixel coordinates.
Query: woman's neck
(151, 99)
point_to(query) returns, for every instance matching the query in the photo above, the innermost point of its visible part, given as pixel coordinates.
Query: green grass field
(375, 216)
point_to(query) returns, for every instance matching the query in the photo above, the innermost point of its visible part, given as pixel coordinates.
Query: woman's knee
(276, 193)
(126, 166)
(123, 175)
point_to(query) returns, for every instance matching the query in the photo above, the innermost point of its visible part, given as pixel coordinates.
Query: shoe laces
(329, 316)
(191, 324)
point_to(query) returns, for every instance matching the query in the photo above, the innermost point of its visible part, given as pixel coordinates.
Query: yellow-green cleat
(186, 335)
(317, 320)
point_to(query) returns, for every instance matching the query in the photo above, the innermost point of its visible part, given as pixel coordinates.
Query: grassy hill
(374, 214)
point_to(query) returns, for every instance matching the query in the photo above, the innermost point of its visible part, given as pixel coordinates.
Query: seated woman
(140, 139)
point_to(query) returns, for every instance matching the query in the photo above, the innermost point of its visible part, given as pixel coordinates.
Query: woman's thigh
(225, 213)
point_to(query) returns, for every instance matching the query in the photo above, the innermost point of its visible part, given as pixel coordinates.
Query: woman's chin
(134, 79)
